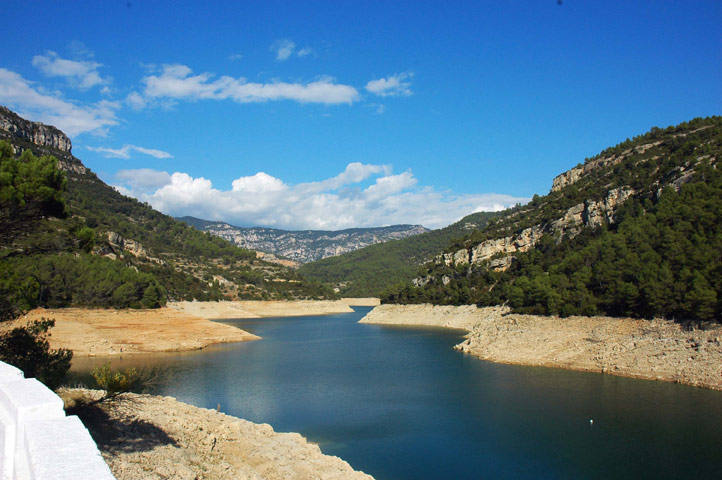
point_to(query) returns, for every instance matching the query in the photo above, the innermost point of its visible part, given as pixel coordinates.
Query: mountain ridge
(303, 246)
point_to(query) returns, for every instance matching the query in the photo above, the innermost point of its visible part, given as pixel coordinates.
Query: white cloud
(234, 57)
(142, 179)
(283, 48)
(338, 202)
(391, 86)
(178, 82)
(125, 150)
(135, 100)
(33, 103)
(79, 73)
(305, 51)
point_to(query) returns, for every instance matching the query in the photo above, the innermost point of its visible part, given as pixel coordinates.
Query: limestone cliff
(498, 251)
(37, 133)
(44, 139)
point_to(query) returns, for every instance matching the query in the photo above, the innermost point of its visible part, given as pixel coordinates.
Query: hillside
(634, 231)
(304, 246)
(69, 239)
(372, 270)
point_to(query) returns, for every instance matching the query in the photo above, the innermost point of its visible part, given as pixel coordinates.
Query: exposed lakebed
(399, 403)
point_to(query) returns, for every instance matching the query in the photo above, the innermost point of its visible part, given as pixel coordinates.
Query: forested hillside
(371, 270)
(635, 231)
(67, 238)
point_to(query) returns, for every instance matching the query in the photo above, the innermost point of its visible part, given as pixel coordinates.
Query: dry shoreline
(181, 326)
(146, 437)
(90, 332)
(648, 349)
(269, 308)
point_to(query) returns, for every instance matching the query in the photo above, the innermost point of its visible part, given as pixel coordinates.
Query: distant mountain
(67, 238)
(304, 246)
(634, 231)
(373, 269)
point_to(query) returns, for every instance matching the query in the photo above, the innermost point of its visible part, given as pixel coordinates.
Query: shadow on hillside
(116, 431)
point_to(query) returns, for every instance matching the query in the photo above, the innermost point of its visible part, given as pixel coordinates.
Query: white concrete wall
(37, 440)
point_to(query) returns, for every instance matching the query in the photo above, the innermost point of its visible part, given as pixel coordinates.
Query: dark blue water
(399, 403)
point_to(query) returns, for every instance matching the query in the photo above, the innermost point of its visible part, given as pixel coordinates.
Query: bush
(115, 382)
(28, 349)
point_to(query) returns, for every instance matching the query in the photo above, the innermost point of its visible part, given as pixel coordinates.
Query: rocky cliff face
(498, 252)
(306, 245)
(43, 139)
(37, 133)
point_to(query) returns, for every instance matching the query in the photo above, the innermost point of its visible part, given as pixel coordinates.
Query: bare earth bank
(258, 308)
(650, 349)
(113, 332)
(145, 437)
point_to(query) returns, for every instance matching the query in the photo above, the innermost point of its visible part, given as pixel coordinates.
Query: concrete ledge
(66, 459)
(37, 440)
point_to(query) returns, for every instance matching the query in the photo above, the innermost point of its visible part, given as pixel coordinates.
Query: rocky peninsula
(648, 349)
(146, 437)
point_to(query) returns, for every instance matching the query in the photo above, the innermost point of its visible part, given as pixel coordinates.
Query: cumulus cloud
(79, 73)
(391, 86)
(125, 151)
(179, 82)
(50, 108)
(361, 195)
(305, 51)
(234, 57)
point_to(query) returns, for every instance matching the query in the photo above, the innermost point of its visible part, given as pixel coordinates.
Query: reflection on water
(399, 403)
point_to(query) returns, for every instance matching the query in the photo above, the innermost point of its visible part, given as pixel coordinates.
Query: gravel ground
(146, 437)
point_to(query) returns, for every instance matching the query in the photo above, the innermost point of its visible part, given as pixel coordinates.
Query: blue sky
(339, 114)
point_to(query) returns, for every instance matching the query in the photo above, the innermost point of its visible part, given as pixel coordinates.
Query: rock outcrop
(34, 132)
(116, 246)
(498, 252)
(43, 139)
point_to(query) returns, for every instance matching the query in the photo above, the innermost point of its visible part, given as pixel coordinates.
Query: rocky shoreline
(648, 349)
(146, 437)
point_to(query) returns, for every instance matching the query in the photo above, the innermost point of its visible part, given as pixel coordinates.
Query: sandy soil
(145, 437)
(112, 332)
(650, 349)
(258, 309)
(362, 302)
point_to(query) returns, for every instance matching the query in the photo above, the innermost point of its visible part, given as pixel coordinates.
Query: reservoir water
(399, 403)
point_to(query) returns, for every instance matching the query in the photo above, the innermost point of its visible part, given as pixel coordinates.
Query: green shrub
(28, 349)
(115, 382)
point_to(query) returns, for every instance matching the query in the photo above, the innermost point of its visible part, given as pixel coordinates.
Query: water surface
(399, 403)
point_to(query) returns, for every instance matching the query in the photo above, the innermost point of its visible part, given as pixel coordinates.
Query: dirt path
(650, 349)
(145, 437)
